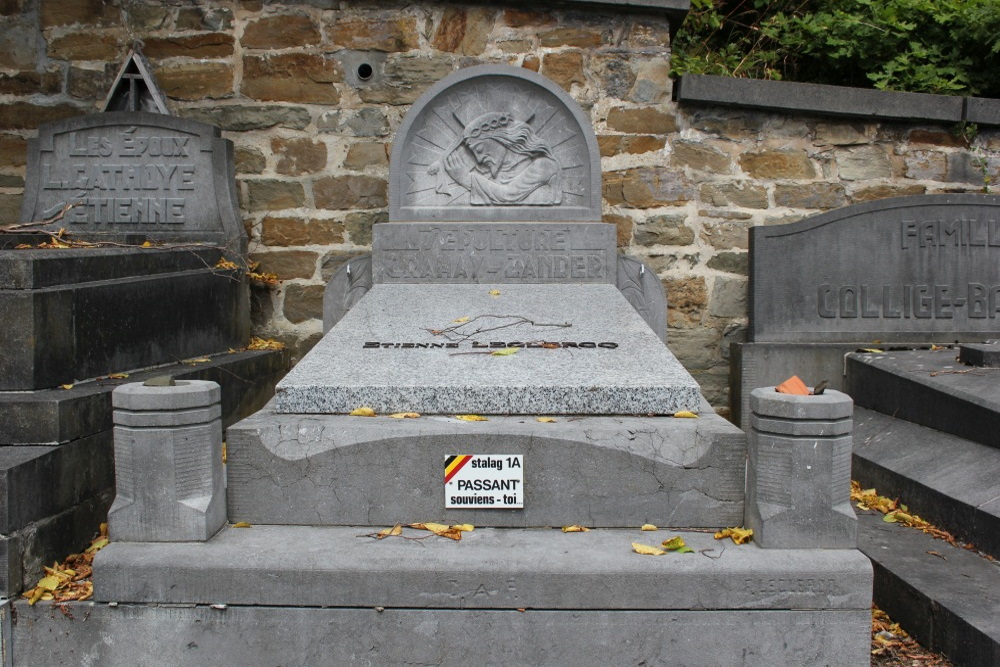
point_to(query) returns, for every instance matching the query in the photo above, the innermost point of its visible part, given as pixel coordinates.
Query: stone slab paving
(602, 357)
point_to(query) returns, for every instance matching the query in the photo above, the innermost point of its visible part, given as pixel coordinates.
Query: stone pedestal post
(799, 470)
(168, 462)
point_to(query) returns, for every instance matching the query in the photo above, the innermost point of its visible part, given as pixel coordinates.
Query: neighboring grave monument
(495, 304)
(904, 271)
(147, 202)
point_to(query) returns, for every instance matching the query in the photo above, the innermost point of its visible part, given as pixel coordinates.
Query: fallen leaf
(677, 544)
(873, 350)
(225, 264)
(257, 343)
(505, 352)
(147, 244)
(646, 550)
(551, 346)
(405, 415)
(439, 529)
(738, 535)
(242, 524)
(118, 376)
(471, 418)
(65, 386)
(49, 583)
(793, 385)
(494, 292)
(461, 320)
(363, 411)
(685, 414)
(389, 532)
(648, 526)
(97, 545)
(545, 420)
(575, 529)
(464, 527)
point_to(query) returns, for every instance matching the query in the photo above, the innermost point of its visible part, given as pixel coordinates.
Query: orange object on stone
(793, 385)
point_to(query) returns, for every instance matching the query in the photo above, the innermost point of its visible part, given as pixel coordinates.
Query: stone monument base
(602, 471)
(332, 595)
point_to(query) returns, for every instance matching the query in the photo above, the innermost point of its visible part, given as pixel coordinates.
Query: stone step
(489, 568)
(947, 480)
(946, 597)
(497, 596)
(930, 388)
(596, 471)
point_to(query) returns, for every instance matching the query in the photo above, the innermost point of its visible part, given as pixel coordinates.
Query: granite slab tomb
(492, 292)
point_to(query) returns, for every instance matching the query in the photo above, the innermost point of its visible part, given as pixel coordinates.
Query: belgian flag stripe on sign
(453, 464)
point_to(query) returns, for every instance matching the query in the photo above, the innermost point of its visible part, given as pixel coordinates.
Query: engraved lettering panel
(132, 173)
(908, 269)
(494, 253)
(495, 143)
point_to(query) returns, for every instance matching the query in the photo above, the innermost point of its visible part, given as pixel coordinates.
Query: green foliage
(929, 46)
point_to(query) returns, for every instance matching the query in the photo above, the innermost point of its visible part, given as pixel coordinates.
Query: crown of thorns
(489, 123)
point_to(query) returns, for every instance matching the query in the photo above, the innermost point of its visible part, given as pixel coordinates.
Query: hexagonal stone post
(799, 470)
(168, 462)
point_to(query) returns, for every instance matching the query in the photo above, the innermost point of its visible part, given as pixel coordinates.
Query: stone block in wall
(284, 231)
(288, 264)
(274, 195)
(346, 192)
(280, 31)
(292, 77)
(243, 118)
(642, 120)
(206, 45)
(464, 30)
(27, 115)
(298, 156)
(646, 187)
(565, 68)
(196, 80)
(303, 302)
(382, 32)
(85, 46)
(810, 195)
(777, 164)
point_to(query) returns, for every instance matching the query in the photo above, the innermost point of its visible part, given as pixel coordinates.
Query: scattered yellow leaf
(242, 524)
(225, 264)
(648, 526)
(546, 420)
(677, 544)
(461, 320)
(685, 414)
(118, 376)
(505, 352)
(363, 411)
(646, 550)
(49, 583)
(257, 343)
(405, 415)
(873, 350)
(389, 532)
(494, 292)
(65, 386)
(471, 418)
(98, 544)
(452, 533)
(147, 244)
(575, 528)
(464, 527)
(738, 535)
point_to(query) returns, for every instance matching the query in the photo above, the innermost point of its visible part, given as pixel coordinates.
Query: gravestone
(496, 304)
(904, 271)
(148, 205)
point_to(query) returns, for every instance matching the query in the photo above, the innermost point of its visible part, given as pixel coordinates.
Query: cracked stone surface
(596, 471)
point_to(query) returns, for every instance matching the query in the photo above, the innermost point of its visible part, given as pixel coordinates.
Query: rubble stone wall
(284, 80)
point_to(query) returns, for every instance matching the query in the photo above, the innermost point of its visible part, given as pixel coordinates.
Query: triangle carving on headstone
(135, 87)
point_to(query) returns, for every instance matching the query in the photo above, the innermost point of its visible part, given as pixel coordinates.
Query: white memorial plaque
(484, 481)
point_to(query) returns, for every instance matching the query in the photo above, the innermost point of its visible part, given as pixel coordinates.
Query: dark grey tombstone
(899, 271)
(134, 176)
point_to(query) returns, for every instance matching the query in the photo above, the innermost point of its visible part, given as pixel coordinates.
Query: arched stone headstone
(495, 143)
